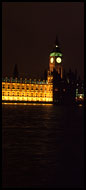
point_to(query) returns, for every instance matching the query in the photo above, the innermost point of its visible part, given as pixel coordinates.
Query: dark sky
(29, 31)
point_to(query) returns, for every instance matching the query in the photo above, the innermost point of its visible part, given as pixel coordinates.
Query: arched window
(27, 88)
(18, 87)
(22, 87)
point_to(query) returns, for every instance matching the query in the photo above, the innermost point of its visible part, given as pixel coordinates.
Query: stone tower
(55, 60)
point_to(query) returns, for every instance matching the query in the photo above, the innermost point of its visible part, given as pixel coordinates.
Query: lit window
(13, 86)
(68, 80)
(80, 96)
(56, 89)
(52, 59)
(64, 89)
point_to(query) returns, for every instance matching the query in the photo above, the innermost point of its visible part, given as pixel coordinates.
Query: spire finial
(56, 42)
(56, 46)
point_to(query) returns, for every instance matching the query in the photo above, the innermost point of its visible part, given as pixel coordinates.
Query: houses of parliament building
(19, 90)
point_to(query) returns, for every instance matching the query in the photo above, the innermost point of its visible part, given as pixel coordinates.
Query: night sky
(29, 31)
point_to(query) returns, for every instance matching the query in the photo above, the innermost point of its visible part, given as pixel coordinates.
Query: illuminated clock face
(58, 60)
(52, 59)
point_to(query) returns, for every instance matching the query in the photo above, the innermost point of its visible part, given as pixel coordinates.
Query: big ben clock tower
(55, 59)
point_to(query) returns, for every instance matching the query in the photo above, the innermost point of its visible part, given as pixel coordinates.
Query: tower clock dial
(51, 59)
(58, 59)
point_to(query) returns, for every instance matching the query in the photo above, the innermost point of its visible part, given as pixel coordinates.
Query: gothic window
(18, 87)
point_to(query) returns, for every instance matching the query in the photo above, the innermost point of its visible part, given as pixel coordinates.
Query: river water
(42, 145)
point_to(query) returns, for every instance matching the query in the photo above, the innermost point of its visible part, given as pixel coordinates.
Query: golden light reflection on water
(27, 104)
(80, 105)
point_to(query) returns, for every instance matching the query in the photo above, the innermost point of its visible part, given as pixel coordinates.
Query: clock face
(51, 59)
(58, 60)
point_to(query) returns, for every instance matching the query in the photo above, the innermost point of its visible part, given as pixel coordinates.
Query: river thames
(42, 145)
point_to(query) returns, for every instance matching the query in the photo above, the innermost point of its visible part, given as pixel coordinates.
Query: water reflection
(80, 105)
(36, 104)
(42, 146)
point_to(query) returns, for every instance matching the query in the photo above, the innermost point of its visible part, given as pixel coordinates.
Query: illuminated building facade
(79, 94)
(33, 90)
(27, 90)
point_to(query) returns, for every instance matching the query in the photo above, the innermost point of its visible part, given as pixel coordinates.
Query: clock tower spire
(56, 42)
(55, 59)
